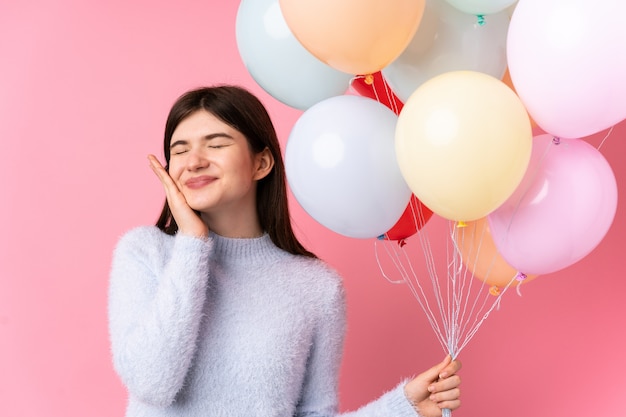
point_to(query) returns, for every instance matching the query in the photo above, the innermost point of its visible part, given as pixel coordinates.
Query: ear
(264, 164)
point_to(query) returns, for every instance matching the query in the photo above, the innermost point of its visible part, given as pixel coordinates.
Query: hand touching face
(189, 223)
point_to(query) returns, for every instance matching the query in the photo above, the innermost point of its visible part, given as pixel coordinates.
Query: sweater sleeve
(393, 404)
(319, 398)
(155, 309)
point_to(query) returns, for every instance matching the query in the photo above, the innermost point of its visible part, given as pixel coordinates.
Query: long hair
(244, 112)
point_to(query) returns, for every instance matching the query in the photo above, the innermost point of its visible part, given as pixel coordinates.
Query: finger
(446, 384)
(423, 383)
(159, 170)
(174, 197)
(171, 189)
(433, 374)
(452, 368)
(451, 405)
(449, 395)
(436, 371)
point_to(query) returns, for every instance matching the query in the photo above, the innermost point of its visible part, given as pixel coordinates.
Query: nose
(196, 161)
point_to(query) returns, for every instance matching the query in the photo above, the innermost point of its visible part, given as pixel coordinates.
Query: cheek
(175, 171)
(244, 164)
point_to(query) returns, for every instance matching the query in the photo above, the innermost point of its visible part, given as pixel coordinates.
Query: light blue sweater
(228, 327)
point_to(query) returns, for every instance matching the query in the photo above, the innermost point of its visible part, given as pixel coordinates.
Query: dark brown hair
(241, 110)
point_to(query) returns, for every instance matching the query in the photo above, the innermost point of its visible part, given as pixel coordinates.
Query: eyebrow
(205, 138)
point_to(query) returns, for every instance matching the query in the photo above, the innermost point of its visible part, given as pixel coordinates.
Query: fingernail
(431, 388)
(443, 375)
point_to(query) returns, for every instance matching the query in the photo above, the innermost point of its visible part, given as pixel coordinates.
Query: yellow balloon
(354, 36)
(463, 143)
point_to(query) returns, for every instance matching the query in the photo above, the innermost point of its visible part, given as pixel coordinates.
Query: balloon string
(605, 137)
(445, 306)
(352, 80)
(486, 315)
(519, 277)
(415, 287)
(375, 92)
(472, 271)
(476, 307)
(442, 305)
(400, 281)
(390, 97)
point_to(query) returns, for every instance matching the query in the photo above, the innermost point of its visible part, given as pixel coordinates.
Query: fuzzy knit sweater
(228, 327)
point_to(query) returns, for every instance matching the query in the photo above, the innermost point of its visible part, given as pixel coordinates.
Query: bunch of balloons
(406, 115)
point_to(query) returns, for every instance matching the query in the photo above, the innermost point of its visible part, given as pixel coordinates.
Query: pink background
(84, 91)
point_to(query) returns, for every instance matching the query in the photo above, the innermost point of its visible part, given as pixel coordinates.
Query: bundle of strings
(455, 303)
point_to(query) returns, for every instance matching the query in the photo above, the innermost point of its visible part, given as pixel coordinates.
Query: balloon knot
(521, 276)
(381, 237)
(461, 224)
(480, 19)
(401, 242)
(369, 79)
(556, 140)
(495, 291)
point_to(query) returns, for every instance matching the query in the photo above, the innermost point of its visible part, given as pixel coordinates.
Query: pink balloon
(567, 63)
(561, 210)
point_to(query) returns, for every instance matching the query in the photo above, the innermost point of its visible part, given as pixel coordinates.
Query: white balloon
(341, 166)
(481, 7)
(449, 40)
(278, 62)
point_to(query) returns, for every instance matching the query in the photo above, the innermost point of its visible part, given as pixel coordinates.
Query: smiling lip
(199, 182)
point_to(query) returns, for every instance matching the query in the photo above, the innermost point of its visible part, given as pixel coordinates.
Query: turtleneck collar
(249, 250)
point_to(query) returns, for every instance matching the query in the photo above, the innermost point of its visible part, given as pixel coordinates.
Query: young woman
(219, 310)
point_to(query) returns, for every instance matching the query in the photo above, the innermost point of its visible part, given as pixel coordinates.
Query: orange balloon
(506, 79)
(354, 36)
(481, 257)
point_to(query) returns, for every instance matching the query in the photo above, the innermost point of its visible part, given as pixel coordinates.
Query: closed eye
(178, 151)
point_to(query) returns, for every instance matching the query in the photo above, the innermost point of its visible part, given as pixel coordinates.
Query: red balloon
(375, 87)
(416, 214)
(413, 219)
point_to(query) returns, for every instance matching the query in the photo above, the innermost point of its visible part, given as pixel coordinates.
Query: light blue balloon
(278, 62)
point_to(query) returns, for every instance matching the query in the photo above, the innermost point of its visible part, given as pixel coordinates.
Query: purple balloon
(561, 210)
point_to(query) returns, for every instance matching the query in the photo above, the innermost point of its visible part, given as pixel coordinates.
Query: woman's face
(214, 167)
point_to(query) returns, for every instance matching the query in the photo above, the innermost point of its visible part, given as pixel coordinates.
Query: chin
(202, 207)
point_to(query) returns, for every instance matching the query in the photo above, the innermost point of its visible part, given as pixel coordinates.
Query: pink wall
(84, 90)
